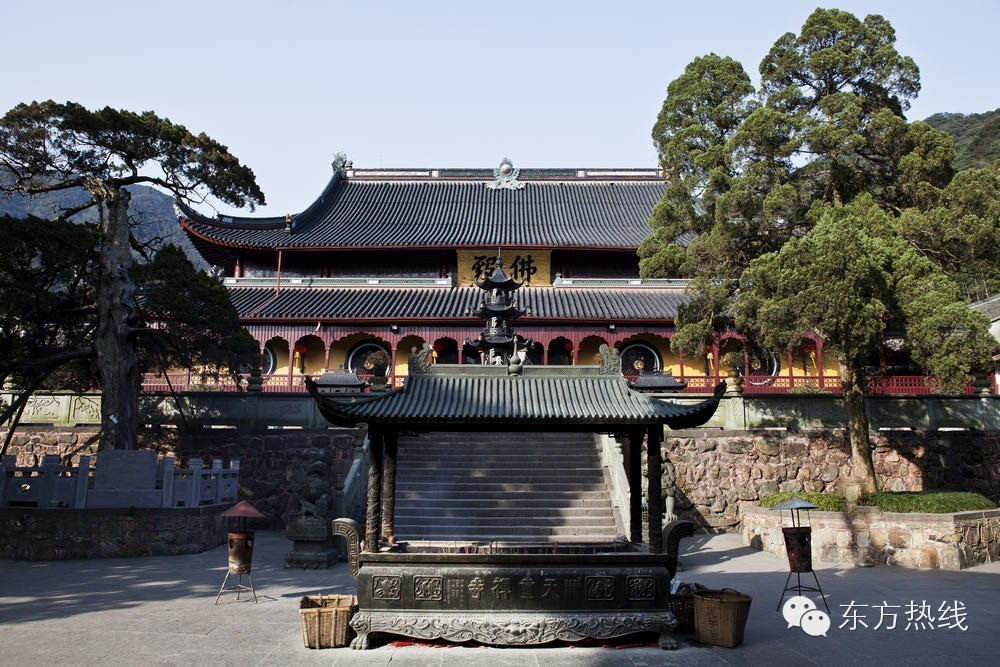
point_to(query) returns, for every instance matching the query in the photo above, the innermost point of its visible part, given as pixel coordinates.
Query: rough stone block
(928, 557)
(767, 447)
(899, 538)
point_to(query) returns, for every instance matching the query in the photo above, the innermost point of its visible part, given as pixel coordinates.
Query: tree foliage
(825, 126)
(49, 147)
(848, 280)
(958, 228)
(976, 135)
(851, 278)
(47, 312)
(194, 323)
(821, 209)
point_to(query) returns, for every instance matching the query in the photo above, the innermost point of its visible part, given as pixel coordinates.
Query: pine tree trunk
(117, 359)
(862, 464)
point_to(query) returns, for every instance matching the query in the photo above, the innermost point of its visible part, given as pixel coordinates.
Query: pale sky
(438, 84)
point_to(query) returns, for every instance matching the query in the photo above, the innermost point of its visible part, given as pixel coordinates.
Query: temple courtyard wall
(757, 447)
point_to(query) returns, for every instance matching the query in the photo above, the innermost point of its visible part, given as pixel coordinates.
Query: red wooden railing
(754, 385)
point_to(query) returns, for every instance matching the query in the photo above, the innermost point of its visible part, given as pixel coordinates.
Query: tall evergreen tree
(48, 146)
(847, 280)
(826, 129)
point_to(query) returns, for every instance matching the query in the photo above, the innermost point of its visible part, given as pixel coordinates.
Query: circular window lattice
(639, 357)
(268, 360)
(368, 358)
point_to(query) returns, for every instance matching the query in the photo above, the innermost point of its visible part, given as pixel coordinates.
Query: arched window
(560, 352)
(535, 354)
(446, 350)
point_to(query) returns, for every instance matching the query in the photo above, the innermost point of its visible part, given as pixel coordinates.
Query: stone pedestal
(313, 547)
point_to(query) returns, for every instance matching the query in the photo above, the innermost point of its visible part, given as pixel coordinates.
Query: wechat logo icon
(801, 612)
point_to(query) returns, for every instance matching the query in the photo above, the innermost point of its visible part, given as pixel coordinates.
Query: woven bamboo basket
(720, 617)
(325, 619)
(681, 604)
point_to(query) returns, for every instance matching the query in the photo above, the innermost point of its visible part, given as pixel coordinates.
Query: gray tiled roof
(374, 214)
(456, 395)
(989, 307)
(416, 303)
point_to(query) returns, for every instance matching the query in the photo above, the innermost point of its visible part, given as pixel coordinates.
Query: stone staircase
(509, 487)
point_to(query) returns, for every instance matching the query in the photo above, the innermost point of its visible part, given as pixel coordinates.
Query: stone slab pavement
(159, 610)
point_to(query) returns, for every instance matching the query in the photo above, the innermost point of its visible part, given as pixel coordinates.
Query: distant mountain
(151, 210)
(976, 135)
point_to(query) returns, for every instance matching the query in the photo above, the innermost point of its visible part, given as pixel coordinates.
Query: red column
(277, 284)
(819, 361)
(791, 369)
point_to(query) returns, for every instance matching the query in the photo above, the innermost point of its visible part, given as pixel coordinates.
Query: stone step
(501, 541)
(414, 453)
(573, 460)
(510, 487)
(489, 436)
(579, 475)
(486, 512)
(434, 531)
(466, 496)
(500, 521)
(527, 488)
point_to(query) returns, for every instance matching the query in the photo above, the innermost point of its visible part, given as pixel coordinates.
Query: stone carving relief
(513, 629)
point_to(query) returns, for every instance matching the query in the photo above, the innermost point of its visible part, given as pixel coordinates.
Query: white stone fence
(119, 479)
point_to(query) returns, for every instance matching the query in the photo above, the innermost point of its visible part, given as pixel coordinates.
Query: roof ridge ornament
(611, 360)
(418, 360)
(341, 162)
(506, 177)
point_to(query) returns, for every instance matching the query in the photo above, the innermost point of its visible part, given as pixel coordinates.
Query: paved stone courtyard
(159, 610)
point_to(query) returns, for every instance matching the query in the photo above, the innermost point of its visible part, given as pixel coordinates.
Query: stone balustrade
(121, 479)
(736, 412)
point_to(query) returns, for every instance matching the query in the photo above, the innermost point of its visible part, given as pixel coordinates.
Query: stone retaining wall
(868, 536)
(31, 534)
(717, 470)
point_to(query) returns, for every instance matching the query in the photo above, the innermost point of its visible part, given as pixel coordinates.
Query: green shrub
(936, 502)
(827, 502)
(807, 389)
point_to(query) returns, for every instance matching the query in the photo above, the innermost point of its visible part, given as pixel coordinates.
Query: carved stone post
(653, 487)
(389, 486)
(633, 468)
(374, 489)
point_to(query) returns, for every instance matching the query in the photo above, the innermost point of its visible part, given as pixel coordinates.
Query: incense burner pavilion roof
(580, 303)
(568, 398)
(452, 209)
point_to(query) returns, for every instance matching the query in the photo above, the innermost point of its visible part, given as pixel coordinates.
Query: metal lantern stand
(798, 544)
(240, 551)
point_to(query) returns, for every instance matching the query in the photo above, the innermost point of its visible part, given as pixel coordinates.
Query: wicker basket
(720, 617)
(325, 619)
(681, 604)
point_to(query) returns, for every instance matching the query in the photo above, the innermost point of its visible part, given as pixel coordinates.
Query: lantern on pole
(299, 356)
(798, 545)
(240, 549)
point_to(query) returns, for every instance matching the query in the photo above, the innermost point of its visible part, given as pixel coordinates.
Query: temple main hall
(384, 260)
